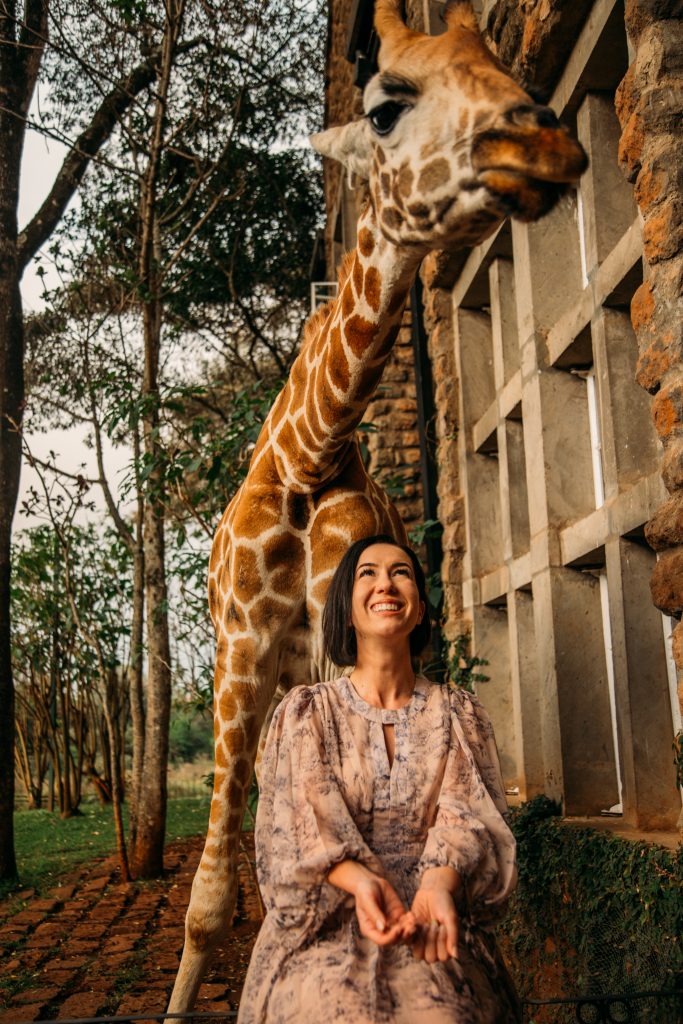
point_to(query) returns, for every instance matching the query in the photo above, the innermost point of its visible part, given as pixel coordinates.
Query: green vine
(592, 912)
(678, 757)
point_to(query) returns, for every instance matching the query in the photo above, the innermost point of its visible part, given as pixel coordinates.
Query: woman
(382, 853)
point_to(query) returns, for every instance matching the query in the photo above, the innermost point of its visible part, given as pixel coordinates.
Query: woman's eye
(365, 572)
(384, 117)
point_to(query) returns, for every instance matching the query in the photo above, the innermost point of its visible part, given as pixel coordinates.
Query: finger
(418, 944)
(442, 944)
(451, 923)
(430, 942)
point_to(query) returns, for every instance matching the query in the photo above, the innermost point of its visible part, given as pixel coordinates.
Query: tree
(199, 229)
(24, 46)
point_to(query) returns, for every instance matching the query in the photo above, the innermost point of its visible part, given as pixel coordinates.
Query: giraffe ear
(349, 144)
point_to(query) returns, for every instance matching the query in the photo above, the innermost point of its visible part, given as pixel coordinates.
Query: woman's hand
(381, 915)
(436, 917)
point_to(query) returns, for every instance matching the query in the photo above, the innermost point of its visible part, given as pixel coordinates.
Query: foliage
(190, 736)
(605, 911)
(48, 846)
(55, 591)
(678, 757)
(461, 666)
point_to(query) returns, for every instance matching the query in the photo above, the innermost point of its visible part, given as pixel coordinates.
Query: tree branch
(76, 162)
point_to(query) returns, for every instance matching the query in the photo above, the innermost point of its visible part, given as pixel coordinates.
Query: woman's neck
(384, 679)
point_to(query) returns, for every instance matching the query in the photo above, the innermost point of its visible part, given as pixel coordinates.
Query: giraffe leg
(214, 888)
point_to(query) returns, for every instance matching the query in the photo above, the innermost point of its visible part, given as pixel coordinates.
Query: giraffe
(448, 147)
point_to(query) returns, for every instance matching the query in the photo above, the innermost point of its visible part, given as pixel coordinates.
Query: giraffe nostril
(532, 116)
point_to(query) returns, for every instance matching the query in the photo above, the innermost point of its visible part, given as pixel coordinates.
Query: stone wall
(393, 444)
(649, 105)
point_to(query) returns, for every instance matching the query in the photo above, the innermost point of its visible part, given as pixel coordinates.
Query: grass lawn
(48, 847)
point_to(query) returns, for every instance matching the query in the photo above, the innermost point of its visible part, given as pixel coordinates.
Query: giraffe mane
(317, 320)
(460, 14)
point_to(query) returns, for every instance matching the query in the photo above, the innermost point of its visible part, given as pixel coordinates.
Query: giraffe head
(450, 144)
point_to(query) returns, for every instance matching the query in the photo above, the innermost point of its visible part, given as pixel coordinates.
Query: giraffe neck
(345, 349)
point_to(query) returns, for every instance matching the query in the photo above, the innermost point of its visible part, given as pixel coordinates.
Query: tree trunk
(12, 78)
(116, 785)
(148, 856)
(137, 707)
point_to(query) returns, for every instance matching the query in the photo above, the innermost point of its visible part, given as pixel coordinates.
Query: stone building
(557, 419)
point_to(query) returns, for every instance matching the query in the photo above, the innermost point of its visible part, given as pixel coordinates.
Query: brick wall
(649, 104)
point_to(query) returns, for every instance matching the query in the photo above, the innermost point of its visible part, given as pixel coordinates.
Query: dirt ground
(93, 946)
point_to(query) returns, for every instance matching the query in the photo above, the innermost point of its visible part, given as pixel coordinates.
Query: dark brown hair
(339, 636)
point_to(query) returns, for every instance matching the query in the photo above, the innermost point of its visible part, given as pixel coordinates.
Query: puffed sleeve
(303, 825)
(470, 833)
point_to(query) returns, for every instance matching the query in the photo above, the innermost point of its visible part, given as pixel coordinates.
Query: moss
(593, 913)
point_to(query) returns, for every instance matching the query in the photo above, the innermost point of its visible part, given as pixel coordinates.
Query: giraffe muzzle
(543, 154)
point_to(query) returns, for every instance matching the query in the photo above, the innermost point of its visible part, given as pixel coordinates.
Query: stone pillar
(649, 104)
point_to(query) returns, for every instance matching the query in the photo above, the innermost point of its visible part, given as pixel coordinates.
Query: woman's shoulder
(303, 700)
(466, 706)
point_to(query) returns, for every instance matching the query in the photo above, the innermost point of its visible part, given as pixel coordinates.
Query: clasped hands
(430, 927)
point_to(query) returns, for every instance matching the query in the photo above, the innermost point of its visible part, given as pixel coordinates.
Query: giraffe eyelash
(384, 116)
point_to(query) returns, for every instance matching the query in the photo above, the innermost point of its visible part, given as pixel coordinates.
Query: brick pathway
(95, 947)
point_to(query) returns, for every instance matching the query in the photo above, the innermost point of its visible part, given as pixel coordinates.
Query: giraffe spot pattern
(298, 510)
(433, 175)
(246, 577)
(358, 276)
(366, 243)
(405, 181)
(373, 285)
(359, 334)
(391, 218)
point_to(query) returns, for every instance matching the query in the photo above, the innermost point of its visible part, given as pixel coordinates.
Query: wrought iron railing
(621, 1008)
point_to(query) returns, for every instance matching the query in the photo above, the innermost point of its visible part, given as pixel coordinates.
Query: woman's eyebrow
(394, 565)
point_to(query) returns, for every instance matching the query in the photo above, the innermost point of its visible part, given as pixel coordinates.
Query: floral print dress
(328, 794)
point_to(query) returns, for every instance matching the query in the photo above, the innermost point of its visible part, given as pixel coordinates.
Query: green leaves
(601, 913)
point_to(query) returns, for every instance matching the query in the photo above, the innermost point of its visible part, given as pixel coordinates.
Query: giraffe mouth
(542, 155)
(527, 172)
(519, 196)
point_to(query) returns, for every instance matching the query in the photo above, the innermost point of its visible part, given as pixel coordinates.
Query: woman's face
(385, 602)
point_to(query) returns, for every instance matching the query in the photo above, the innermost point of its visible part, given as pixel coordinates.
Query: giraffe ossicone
(449, 145)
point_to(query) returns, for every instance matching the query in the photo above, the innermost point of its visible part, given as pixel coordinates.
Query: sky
(41, 162)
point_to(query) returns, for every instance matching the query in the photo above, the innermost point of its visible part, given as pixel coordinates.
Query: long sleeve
(469, 832)
(303, 825)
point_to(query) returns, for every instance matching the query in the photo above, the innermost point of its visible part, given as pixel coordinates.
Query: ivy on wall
(593, 913)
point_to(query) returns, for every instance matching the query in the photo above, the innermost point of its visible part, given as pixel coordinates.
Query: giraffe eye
(384, 117)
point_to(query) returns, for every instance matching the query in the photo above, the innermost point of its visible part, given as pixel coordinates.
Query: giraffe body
(449, 146)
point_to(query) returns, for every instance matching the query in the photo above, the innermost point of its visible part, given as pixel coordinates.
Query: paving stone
(47, 941)
(211, 991)
(58, 975)
(27, 917)
(73, 960)
(63, 892)
(97, 983)
(46, 905)
(96, 884)
(37, 995)
(81, 1004)
(120, 945)
(19, 1014)
(88, 930)
(112, 964)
